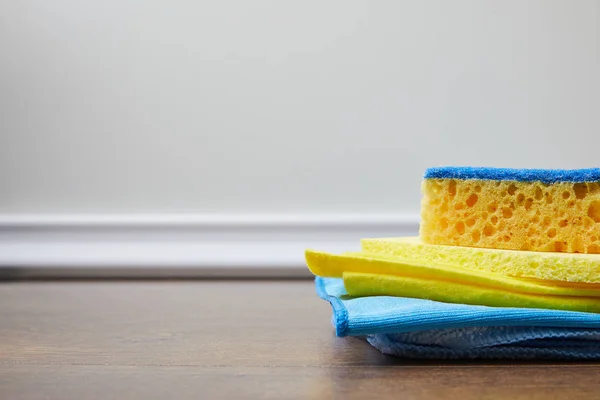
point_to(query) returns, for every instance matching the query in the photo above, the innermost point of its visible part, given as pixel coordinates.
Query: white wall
(313, 106)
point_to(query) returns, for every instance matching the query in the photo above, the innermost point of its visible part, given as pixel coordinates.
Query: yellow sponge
(538, 210)
(574, 268)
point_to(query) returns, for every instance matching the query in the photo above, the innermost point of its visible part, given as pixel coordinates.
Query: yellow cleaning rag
(565, 268)
(375, 274)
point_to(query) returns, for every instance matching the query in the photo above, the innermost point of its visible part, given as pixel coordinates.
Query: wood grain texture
(221, 340)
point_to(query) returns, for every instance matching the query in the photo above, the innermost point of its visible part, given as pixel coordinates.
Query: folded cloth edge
(332, 290)
(340, 313)
(385, 342)
(387, 345)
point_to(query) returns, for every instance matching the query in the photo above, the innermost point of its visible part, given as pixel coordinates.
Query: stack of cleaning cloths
(507, 265)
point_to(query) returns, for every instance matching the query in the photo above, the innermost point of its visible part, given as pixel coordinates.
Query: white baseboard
(180, 246)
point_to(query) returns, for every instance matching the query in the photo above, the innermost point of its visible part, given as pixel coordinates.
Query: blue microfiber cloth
(509, 174)
(425, 329)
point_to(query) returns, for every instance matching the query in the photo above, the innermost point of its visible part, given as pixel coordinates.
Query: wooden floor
(227, 340)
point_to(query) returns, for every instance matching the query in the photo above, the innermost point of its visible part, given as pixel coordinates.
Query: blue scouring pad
(510, 174)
